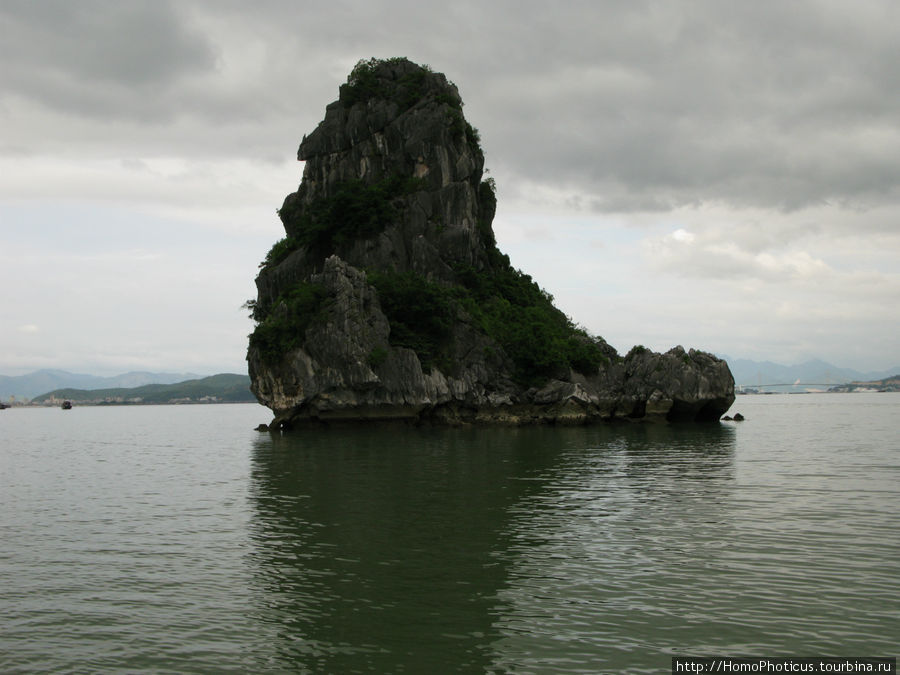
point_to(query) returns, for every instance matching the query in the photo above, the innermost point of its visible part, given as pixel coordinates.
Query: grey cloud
(98, 58)
(745, 103)
(744, 124)
(631, 105)
(127, 43)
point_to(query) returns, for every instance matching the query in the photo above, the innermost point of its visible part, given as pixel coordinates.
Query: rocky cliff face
(388, 298)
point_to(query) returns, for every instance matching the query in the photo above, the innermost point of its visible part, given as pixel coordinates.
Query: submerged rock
(389, 300)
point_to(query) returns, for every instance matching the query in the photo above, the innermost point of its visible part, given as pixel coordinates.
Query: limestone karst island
(389, 300)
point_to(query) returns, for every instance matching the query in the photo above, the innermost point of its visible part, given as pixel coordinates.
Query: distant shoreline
(80, 404)
(221, 388)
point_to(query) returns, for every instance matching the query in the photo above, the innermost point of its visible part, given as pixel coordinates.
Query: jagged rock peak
(393, 179)
(393, 118)
(388, 297)
(376, 93)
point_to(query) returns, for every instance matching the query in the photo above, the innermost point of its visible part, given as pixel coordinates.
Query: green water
(176, 539)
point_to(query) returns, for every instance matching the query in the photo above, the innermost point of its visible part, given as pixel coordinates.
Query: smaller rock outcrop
(389, 300)
(678, 385)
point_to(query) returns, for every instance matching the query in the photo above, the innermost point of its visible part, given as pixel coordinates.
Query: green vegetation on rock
(421, 314)
(516, 312)
(280, 250)
(364, 83)
(284, 327)
(505, 304)
(637, 350)
(356, 210)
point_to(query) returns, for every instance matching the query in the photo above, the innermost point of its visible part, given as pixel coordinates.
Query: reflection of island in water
(410, 550)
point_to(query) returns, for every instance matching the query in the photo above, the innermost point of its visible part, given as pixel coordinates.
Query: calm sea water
(177, 539)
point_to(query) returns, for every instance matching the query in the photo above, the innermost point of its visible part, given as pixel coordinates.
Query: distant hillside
(222, 388)
(756, 373)
(884, 384)
(27, 386)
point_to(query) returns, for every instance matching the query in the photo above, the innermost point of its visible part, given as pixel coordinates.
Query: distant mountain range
(222, 388)
(746, 373)
(28, 386)
(757, 373)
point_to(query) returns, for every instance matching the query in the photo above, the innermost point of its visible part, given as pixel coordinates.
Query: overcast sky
(721, 175)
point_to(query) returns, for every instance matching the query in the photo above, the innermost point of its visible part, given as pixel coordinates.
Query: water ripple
(194, 544)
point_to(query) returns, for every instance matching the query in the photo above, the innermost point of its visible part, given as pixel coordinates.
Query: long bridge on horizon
(794, 384)
(788, 384)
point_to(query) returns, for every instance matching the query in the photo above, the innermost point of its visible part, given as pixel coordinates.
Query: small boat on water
(67, 405)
